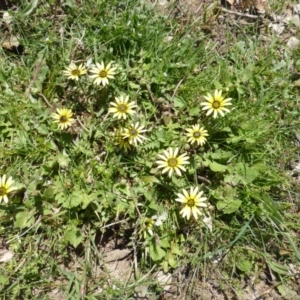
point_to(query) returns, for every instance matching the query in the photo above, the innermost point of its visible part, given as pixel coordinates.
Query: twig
(81, 124)
(35, 75)
(175, 91)
(239, 14)
(23, 233)
(204, 180)
(145, 276)
(47, 102)
(152, 98)
(112, 224)
(150, 93)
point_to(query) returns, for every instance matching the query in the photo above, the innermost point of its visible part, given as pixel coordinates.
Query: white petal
(175, 152)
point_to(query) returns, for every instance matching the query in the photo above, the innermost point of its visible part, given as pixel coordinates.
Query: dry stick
(175, 91)
(34, 77)
(152, 98)
(150, 93)
(112, 224)
(81, 124)
(239, 14)
(145, 276)
(47, 102)
(18, 237)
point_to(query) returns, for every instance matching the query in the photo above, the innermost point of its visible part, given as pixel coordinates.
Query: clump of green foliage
(95, 170)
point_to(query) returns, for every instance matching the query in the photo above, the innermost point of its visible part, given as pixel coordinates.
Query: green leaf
(175, 249)
(269, 205)
(24, 219)
(165, 266)
(3, 77)
(232, 179)
(229, 206)
(38, 84)
(246, 173)
(287, 292)
(73, 235)
(150, 179)
(29, 9)
(219, 154)
(171, 260)
(3, 279)
(49, 193)
(156, 252)
(215, 167)
(244, 265)
(69, 3)
(194, 111)
(76, 198)
(63, 160)
(164, 242)
(87, 199)
(133, 85)
(278, 268)
(179, 102)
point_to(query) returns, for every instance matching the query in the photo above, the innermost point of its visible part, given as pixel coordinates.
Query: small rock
(6, 255)
(277, 28)
(296, 8)
(293, 43)
(164, 280)
(115, 255)
(162, 2)
(295, 20)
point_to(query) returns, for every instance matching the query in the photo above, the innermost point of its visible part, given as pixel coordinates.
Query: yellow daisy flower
(171, 162)
(121, 108)
(5, 188)
(63, 117)
(148, 224)
(121, 141)
(73, 71)
(192, 201)
(197, 135)
(102, 73)
(134, 134)
(216, 104)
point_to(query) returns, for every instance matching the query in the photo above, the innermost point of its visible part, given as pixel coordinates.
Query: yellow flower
(102, 73)
(171, 162)
(122, 142)
(121, 108)
(148, 224)
(197, 135)
(73, 71)
(134, 134)
(192, 201)
(5, 188)
(216, 104)
(63, 117)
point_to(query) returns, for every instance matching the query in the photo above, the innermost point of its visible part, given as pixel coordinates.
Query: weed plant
(116, 120)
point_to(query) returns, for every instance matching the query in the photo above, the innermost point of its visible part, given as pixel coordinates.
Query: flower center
(63, 119)
(122, 108)
(172, 162)
(191, 202)
(103, 74)
(75, 72)
(133, 132)
(149, 223)
(196, 134)
(216, 104)
(3, 191)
